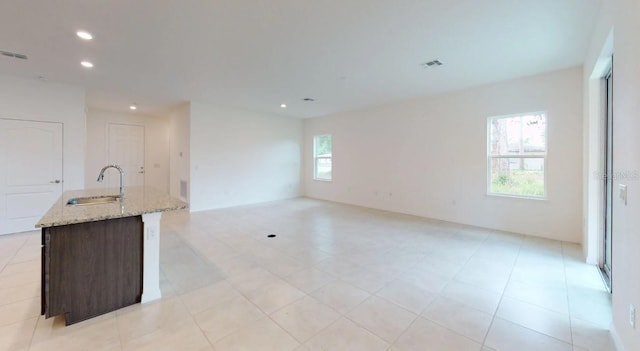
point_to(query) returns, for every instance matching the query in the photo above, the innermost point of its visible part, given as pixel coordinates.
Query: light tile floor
(336, 277)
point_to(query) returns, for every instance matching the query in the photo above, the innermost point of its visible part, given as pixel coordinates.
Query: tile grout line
(371, 331)
(419, 315)
(33, 333)
(566, 289)
(453, 278)
(18, 250)
(495, 313)
(267, 315)
(191, 315)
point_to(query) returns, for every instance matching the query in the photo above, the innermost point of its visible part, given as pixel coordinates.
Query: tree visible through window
(322, 157)
(517, 149)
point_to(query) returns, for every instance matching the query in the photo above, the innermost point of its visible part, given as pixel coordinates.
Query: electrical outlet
(151, 234)
(632, 316)
(622, 193)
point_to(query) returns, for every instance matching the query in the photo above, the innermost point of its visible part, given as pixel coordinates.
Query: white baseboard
(616, 338)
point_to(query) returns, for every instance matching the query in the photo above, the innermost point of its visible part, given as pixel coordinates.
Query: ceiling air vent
(13, 54)
(434, 63)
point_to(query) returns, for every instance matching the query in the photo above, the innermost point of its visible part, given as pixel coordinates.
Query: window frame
(316, 158)
(543, 156)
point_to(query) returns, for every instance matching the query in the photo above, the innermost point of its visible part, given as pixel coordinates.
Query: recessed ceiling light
(133, 107)
(86, 64)
(84, 35)
(283, 105)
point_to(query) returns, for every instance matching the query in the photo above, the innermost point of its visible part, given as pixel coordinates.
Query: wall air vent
(13, 54)
(433, 63)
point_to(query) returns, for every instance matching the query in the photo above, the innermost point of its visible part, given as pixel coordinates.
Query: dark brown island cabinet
(92, 268)
(103, 256)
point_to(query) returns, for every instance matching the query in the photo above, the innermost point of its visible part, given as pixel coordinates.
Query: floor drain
(271, 236)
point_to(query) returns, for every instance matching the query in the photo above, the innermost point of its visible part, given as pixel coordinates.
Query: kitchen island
(101, 256)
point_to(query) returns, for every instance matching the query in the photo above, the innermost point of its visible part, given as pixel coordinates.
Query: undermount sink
(93, 200)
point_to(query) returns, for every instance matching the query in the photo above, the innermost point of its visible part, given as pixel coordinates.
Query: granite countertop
(137, 201)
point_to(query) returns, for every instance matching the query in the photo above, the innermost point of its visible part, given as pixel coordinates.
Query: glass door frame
(607, 237)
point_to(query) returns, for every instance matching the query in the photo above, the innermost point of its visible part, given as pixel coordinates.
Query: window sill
(523, 197)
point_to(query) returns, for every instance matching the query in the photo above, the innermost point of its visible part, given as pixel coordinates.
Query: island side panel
(93, 268)
(151, 266)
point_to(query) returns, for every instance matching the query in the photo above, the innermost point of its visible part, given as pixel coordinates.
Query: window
(517, 150)
(322, 157)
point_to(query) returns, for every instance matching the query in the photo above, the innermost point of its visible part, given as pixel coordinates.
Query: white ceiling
(256, 54)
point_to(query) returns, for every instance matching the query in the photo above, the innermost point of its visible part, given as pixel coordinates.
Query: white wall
(156, 148)
(427, 156)
(240, 157)
(30, 99)
(626, 148)
(597, 65)
(179, 150)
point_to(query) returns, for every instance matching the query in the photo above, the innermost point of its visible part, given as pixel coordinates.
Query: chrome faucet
(101, 177)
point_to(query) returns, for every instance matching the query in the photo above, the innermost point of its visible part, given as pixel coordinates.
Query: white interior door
(30, 172)
(126, 149)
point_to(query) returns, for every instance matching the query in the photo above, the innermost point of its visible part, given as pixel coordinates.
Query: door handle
(57, 181)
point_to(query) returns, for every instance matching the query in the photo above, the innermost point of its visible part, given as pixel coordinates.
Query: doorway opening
(126, 149)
